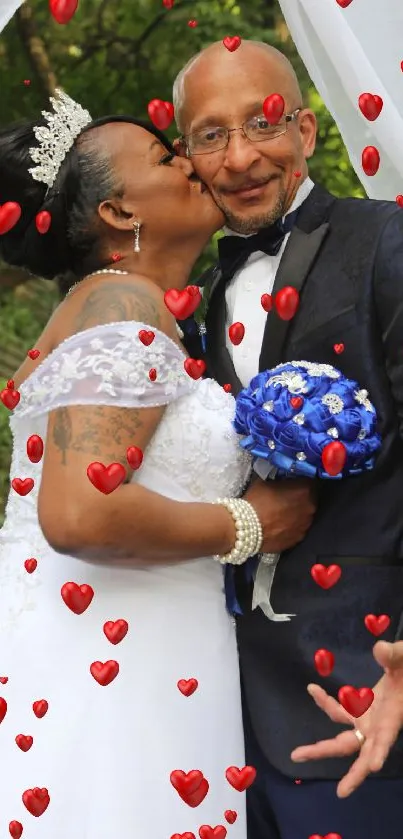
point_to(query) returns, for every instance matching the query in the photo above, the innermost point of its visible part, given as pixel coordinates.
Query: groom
(345, 258)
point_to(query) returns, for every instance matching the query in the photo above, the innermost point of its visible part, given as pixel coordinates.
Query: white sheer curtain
(358, 49)
(7, 9)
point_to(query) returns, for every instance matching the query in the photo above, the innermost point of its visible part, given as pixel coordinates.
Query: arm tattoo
(62, 431)
(99, 432)
(118, 302)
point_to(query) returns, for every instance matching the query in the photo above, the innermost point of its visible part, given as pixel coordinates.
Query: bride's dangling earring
(136, 228)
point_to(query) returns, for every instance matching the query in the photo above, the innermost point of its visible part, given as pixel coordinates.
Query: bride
(118, 661)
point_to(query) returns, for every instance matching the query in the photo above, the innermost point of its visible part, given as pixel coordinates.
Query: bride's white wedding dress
(105, 753)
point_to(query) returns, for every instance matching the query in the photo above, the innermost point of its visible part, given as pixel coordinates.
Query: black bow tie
(233, 251)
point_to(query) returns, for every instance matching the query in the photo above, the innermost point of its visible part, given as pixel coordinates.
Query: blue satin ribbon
(249, 569)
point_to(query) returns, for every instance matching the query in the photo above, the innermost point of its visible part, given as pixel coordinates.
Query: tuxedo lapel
(298, 258)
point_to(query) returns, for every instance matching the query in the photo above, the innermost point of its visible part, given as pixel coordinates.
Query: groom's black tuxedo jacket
(345, 256)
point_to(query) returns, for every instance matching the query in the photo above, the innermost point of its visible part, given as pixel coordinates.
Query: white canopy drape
(7, 9)
(350, 51)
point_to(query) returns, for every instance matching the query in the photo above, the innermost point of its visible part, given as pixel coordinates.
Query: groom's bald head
(215, 62)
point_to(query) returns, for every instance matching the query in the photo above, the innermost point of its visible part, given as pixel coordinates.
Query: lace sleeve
(107, 365)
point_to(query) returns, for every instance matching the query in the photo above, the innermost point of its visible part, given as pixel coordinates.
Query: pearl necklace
(112, 271)
(93, 273)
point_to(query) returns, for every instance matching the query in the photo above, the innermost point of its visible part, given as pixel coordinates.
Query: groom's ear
(180, 147)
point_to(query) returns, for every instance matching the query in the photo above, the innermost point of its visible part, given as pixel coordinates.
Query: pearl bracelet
(249, 533)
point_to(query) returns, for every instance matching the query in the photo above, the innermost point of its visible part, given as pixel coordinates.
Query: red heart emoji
(10, 398)
(338, 348)
(194, 367)
(3, 680)
(273, 108)
(370, 105)
(186, 835)
(160, 113)
(146, 337)
(43, 220)
(186, 783)
(355, 702)
(191, 786)
(267, 302)
(3, 708)
(152, 374)
(227, 388)
(15, 830)
(182, 304)
(236, 333)
(24, 742)
(188, 686)
(106, 478)
(30, 565)
(40, 708)
(343, 4)
(329, 835)
(134, 457)
(296, 402)
(326, 577)
(399, 200)
(232, 44)
(10, 214)
(192, 23)
(231, 816)
(34, 448)
(240, 779)
(324, 662)
(377, 624)
(36, 800)
(76, 597)
(104, 672)
(297, 174)
(63, 10)
(334, 457)
(34, 354)
(22, 485)
(286, 302)
(116, 257)
(370, 160)
(208, 832)
(115, 631)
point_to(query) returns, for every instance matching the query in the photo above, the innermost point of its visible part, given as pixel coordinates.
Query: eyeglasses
(216, 138)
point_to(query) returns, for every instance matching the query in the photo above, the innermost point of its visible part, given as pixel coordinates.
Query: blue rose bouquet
(302, 419)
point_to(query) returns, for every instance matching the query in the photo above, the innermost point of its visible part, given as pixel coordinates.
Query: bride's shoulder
(110, 299)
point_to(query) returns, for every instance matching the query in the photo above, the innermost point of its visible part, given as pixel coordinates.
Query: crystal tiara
(57, 138)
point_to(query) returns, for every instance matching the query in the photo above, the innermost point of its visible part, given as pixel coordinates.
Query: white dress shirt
(242, 297)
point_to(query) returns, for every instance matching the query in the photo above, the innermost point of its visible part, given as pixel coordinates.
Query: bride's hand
(380, 725)
(285, 509)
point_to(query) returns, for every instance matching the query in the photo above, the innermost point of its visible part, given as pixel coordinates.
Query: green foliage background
(113, 57)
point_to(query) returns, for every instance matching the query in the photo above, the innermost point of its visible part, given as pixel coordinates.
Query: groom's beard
(247, 226)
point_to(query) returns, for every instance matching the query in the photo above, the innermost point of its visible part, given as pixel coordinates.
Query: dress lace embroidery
(106, 365)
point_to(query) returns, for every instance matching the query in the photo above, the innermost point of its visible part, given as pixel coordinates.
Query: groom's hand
(285, 509)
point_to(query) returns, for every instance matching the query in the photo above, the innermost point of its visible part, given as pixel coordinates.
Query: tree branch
(35, 49)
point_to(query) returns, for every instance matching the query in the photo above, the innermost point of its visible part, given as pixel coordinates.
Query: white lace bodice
(194, 454)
